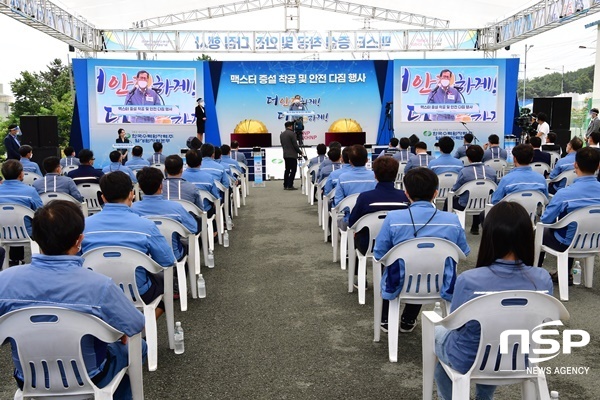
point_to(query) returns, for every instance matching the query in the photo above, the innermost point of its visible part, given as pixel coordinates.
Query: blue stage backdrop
(333, 90)
(481, 98)
(107, 101)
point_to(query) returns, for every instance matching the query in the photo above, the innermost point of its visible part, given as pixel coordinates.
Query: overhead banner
(330, 92)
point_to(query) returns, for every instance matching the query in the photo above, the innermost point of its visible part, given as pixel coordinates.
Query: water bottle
(201, 287)
(179, 347)
(438, 309)
(554, 395)
(577, 273)
(211, 259)
(229, 224)
(226, 239)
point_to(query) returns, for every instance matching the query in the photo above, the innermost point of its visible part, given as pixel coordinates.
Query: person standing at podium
(291, 151)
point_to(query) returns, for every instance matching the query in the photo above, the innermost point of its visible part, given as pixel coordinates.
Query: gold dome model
(345, 125)
(250, 126)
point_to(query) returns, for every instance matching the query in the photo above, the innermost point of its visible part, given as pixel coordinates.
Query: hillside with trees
(580, 81)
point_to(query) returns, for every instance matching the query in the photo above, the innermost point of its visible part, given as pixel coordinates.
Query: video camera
(524, 121)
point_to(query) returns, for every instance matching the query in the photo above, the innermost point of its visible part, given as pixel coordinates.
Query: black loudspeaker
(39, 130)
(563, 136)
(41, 153)
(558, 110)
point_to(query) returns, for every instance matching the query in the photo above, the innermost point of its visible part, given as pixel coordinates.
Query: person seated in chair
(492, 149)
(567, 163)
(158, 157)
(420, 158)
(116, 164)
(177, 188)
(420, 220)
(26, 153)
(403, 155)
(56, 278)
(153, 204)
(118, 225)
(201, 179)
(54, 181)
(585, 191)
(538, 154)
(325, 167)
(137, 162)
(462, 150)
(392, 148)
(85, 173)
(445, 162)
(69, 158)
(504, 263)
(551, 145)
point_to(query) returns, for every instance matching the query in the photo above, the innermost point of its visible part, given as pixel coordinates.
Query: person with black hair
(392, 148)
(142, 94)
(177, 188)
(14, 191)
(228, 162)
(543, 128)
(291, 151)
(492, 149)
(538, 154)
(551, 145)
(116, 164)
(211, 166)
(321, 152)
(325, 167)
(201, 179)
(12, 143)
(462, 150)
(445, 162)
(158, 157)
(154, 204)
(420, 158)
(421, 220)
(444, 93)
(504, 263)
(69, 158)
(26, 152)
(593, 140)
(340, 161)
(118, 225)
(567, 163)
(55, 181)
(583, 192)
(403, 155)
(57, 278)
(236, 154)
(200, 114)
(122, 138)
(137, 162)
(85, 173)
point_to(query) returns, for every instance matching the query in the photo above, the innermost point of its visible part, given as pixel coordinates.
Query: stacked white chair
(339, 237)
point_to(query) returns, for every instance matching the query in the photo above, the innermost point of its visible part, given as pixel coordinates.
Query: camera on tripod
(525, 122)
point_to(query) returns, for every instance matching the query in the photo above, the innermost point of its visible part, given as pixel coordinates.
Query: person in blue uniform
(567, 163)
(26, 152)
(583, 192)
(492, 149)
(421, 219)
(392, 148)
(444, 93)
(56, 277)
(177, 188)
(445, 162)
(69, 158)
(462, 150)
(137, 162)
(118, 225)
(142, 95)
(403, 155)
(158, 157)
(504, 262)
(420, 158)
(201, 179)
(54, 181)
(116, 164)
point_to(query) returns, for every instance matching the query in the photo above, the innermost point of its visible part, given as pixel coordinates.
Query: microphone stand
(470, 131)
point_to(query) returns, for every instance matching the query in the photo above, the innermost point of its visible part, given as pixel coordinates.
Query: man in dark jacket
(11, 143)
(291, 151)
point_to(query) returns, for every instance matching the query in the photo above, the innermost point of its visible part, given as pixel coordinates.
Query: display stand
(258, 167)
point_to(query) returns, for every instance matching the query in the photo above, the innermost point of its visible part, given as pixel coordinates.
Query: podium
(345, 138)
(251, 140)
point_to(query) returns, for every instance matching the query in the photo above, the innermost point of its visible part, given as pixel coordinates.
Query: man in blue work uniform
(26, 153)
(445, 162)
(564, 164)
(321, 156)
(158, 157)
(56, 277)
(462, 150)
(211, 166)
(421, 219)
(392, 148)
(54, 181)
(177, 188)
(337, 168)
(236, 154)
(137, 162)
(492, 148)
(69, 158)
(116, 164)
(403, 155)
(14, 191)
(118, 225)
(444, 93)
(142, 95)
(420, 158)
(227, 162)
(325, 166)
(201, 179)
(583, 192)
(475, 170)
(86, 173)
(356, 179)
(153, 204)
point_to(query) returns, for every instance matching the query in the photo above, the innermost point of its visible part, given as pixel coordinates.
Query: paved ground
(278, 323)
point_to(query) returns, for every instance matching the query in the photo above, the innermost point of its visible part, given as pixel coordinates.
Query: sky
(32, 50)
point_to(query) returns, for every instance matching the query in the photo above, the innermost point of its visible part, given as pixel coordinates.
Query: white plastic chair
(237, 189)
(585, 244)
(50, 353)
(499, 165)
(424, 263)
(320, 196)
(205, 195)
(495, 312)
(569, 177)
(533, 201)
(245, 183)
(339, 238)
(326, 201)
(554, 157)
(373, 222)
(167, 227)
(69, 168)
(91, 193)
(159, 166)
(480, 194)
(447, 181)
(13, 231)
(310, 184)
(399, 182)
(49, 196)
(30, 177)
(540, 168)
(207, 232)
(119, 264)
(224, 211)
(465, 160)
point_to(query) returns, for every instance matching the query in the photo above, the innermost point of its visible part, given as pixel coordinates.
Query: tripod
(388, 125)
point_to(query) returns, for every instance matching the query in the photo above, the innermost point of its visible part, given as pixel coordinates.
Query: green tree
(205, 57)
